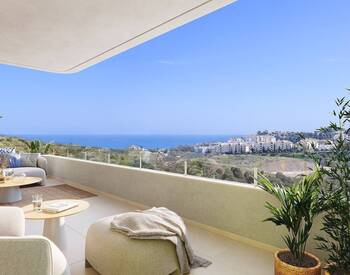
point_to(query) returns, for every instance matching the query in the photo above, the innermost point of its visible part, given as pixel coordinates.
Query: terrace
(224, 218)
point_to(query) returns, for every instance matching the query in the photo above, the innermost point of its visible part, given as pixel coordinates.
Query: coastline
(125, 141)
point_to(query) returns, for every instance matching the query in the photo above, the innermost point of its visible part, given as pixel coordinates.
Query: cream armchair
(29, 255)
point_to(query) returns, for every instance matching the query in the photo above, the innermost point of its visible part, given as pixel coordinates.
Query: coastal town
(269, 142)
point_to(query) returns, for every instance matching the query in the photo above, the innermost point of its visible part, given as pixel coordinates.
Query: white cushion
(12, 221)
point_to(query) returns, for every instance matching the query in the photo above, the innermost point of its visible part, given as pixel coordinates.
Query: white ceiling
(68, 36)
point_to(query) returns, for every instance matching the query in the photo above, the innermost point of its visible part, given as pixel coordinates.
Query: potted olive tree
(298, 206)
(335, 165)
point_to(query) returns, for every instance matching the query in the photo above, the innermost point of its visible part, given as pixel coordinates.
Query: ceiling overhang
(68, 36)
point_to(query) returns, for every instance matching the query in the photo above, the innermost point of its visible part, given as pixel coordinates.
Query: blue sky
(253, 65)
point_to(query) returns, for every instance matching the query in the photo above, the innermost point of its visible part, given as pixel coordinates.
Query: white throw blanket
(160, 224)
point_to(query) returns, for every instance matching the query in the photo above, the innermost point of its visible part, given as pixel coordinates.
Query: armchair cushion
(29, 159)
(31, 255)
(14, 160)
(23, 255)
(42, 163)
(7, 150)
(12, 221)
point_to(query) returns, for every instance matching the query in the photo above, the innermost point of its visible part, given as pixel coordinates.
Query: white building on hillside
(284, 145)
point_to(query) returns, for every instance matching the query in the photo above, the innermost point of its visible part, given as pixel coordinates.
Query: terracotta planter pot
(282, 268)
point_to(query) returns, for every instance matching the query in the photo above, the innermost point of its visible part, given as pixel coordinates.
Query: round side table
(54, 223)
(10, 191)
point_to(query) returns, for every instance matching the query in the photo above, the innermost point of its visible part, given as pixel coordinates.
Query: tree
(195, 168)
(336, 192)
(237, 173)
(228, 175)
(249, 177)
(36, 146)
(283, 178)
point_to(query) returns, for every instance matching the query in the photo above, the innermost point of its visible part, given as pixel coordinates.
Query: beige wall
(232, 207)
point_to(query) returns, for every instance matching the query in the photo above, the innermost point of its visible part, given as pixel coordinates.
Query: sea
(125, 141)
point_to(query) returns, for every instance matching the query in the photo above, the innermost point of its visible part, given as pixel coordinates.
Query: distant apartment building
(252, 144)
(325, 145)
(266, 139)
(224, 148)
(310, 144)
(284, 145)
(135, 148)
(264, 143)
(269, 142)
